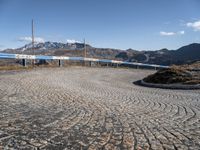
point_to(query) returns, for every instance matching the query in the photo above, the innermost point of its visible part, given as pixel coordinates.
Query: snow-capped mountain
(53, 45)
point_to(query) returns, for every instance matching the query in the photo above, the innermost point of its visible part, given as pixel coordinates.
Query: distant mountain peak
(53, 45)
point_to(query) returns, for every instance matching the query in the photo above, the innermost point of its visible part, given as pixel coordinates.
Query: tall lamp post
(84, 49)
(33, 40)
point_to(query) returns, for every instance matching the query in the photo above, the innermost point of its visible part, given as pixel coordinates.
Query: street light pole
(84, 48)
(33, 40)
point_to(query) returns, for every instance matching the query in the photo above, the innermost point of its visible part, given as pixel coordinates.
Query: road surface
(94, 108)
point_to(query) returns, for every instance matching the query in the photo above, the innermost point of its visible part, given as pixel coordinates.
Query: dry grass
(13, 67)
(189, 67)
(184, 74)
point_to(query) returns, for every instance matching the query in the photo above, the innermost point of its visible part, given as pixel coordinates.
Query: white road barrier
(43, 57)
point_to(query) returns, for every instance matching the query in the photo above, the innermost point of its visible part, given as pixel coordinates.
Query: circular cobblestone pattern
(94, 108)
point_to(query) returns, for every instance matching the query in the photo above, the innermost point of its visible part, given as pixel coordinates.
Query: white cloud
(72, 41)
(167, 33)
(163, 33)
(181, 32)
(29, 39)
(195, 25)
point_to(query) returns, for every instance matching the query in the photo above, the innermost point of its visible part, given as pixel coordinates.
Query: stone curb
(170, 86)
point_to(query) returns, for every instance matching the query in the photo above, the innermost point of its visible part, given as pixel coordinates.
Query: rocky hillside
(184, 55)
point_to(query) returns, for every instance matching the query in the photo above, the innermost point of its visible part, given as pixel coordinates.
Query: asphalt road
(94, 108)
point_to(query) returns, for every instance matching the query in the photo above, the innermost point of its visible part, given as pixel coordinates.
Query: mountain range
(186, 54)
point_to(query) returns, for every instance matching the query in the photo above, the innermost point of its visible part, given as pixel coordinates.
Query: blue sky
(121, 24)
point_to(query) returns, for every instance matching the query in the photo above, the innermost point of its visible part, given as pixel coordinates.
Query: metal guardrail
(43, 57)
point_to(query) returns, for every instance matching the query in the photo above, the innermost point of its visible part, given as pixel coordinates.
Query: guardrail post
(60, 63)
(24, 62)
(107, 64)
(117, 65)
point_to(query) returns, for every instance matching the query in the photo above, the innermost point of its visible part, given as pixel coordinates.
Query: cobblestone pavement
(94, 108)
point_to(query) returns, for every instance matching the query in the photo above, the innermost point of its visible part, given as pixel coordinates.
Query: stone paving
(94, 108)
